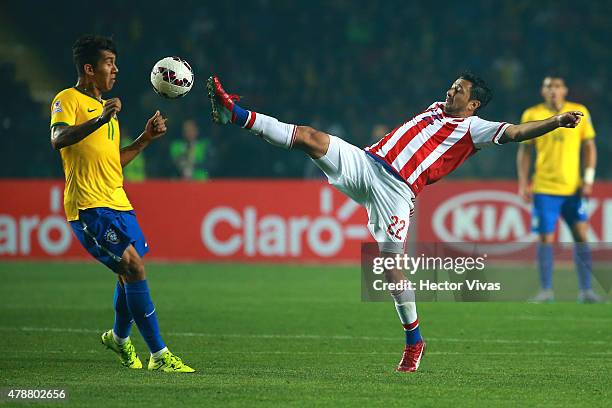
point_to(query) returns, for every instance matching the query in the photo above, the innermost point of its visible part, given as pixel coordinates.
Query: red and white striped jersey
(432, 144)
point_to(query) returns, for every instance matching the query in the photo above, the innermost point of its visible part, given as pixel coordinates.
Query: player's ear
(474, 105)
(88, 69)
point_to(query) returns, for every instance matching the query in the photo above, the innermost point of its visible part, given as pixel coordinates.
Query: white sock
(274, 132)
(405, 306)
(159, 353)
(120, 340)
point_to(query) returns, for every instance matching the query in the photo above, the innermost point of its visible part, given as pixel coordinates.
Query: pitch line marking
(310, 336)
(565, 319)
(595, 354)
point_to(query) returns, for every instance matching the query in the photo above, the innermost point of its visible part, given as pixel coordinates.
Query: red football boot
(222, 102)
(413, 353)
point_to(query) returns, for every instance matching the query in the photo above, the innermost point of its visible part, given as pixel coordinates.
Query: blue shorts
(547, 208)
(106, 233)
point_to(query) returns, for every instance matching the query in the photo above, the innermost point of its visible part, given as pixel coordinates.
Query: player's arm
(523, 163)
(531, 130)
(63, 136)
(155, 128)
(589, 158)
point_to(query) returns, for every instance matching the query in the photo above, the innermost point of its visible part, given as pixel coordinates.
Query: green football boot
(126, 352)
(169, 363)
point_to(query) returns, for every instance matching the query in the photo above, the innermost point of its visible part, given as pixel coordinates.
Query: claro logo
(227, 231)
(493, 219)
(52, 232)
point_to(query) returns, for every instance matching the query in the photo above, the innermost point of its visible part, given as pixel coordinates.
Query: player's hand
(111, 108)
(524, 192)
(586, 190)
(569, 119)
(156, 126)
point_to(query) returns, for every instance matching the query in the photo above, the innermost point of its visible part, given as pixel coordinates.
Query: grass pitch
(294, 336)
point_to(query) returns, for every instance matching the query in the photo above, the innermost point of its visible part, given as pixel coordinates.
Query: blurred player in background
(85, 130)
(558, 189)
(386, 177)
(189, 153)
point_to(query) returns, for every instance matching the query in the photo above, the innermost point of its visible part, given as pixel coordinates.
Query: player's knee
(122, 269)
(131, 267)
(136, 270)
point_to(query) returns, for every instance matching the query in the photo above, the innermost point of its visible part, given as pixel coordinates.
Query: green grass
(295, 336)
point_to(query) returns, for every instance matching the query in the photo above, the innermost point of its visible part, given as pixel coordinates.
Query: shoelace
(128, 348)
(172, 360)
(409, 354)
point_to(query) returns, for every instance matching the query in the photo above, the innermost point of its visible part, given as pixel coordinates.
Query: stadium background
(353, 71)
(284, 331)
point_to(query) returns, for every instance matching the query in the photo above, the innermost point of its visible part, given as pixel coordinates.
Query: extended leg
(225, 109)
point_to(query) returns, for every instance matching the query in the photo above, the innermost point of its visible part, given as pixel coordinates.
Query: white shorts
(388, 201)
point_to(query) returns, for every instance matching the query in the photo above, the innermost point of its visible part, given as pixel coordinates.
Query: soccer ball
(172, 77)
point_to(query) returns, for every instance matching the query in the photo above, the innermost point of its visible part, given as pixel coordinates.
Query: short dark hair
(87, 48)
(480, 90)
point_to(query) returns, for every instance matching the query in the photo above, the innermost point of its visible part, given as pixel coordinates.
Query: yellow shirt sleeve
(63, 109)
(588, 132)
(526, 117)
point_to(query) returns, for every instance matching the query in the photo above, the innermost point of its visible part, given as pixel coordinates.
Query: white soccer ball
(172, 77)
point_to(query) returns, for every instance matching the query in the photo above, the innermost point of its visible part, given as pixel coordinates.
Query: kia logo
(493, 219)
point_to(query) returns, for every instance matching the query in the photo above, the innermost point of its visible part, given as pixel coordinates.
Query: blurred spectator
(189, 154)
(509, 71)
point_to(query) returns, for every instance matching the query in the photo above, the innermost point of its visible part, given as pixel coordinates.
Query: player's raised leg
(142, 309)
(350, 171)
(225, 110)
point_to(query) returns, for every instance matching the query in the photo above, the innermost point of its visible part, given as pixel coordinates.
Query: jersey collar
(89, 95)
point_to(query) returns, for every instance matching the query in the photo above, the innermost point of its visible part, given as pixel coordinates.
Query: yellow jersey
(557, 167)
(92, 167)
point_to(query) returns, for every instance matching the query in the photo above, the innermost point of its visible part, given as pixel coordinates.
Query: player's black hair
(480, 90)
(87, 50)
